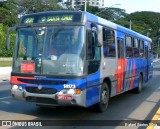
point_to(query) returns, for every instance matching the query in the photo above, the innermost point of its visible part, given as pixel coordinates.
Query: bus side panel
(120, 74)
(93, 89)
(135, 66)
(108, 68)
(125, 74)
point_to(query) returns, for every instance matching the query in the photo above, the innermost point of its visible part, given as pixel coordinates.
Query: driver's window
(93, 52)
(26, 47)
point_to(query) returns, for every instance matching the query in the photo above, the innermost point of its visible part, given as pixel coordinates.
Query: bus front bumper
(61, 98)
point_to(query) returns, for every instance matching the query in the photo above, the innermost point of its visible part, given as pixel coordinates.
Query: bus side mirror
(99, 36)
(8, 37)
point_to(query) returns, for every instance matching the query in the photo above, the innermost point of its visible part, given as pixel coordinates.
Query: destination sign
(51, 18)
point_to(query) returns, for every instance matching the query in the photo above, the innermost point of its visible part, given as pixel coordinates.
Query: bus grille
(41, 100)
(41, 91)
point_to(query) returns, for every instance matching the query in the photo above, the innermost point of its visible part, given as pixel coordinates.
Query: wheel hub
(104, 97)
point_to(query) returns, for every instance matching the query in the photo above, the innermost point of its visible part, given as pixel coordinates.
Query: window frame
(136, 47)
(129, 46)
(108, 45)
(141, 49)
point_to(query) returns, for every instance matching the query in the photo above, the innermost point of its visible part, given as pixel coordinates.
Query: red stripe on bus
(133, 75)
(120, 73)
(14, 79)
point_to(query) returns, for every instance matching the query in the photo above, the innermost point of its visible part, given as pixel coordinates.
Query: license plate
(64, 97)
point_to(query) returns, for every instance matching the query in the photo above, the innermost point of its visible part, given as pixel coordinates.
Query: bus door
(120, 72)
(147, 62)
(93, 64)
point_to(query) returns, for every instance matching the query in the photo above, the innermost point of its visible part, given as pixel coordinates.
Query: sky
(135, 5)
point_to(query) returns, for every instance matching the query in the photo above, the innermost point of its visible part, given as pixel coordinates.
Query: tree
(3, 52)
(145, 21)
(112, 14)
(91, 9)
(8, 13)
(65, 3)
(32, 6)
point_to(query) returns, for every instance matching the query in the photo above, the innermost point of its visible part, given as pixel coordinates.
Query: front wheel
(104, 98)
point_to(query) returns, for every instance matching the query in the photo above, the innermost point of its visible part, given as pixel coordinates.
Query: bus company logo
(39, 77)
(40, 87)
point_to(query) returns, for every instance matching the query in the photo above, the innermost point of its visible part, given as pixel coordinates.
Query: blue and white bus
(65, 58)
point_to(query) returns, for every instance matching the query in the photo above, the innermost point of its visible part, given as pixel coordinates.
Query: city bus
(74, 58)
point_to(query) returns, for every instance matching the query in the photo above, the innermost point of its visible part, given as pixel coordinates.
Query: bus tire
(104, 98)
(140, 84)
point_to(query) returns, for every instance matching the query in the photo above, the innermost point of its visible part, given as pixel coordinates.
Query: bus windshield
(53, 50)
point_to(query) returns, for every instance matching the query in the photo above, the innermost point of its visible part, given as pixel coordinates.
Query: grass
(5, 63)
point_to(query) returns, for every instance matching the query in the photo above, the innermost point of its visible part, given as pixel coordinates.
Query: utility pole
(130, 25)
(85, 5)
(158, 47)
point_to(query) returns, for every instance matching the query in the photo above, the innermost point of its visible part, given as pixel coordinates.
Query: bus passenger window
(109, 48)
(120, 48)
(135, 47)
(129, 51)
(141, 49)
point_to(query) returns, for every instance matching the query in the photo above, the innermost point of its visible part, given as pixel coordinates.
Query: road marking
(156, 118)
(6, 102)
(5, 97)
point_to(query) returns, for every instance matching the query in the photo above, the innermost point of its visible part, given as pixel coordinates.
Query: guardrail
(6, 59)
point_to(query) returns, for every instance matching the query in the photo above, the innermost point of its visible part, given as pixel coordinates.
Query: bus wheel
(104, 98)
(140, 84)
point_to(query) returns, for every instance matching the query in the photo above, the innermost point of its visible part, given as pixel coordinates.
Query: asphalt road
(127, 106)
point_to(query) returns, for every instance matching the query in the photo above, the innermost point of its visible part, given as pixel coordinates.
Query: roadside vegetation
(5, 63)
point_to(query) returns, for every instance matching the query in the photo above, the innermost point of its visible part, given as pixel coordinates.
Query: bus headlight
(14, 87)
(71, 91)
